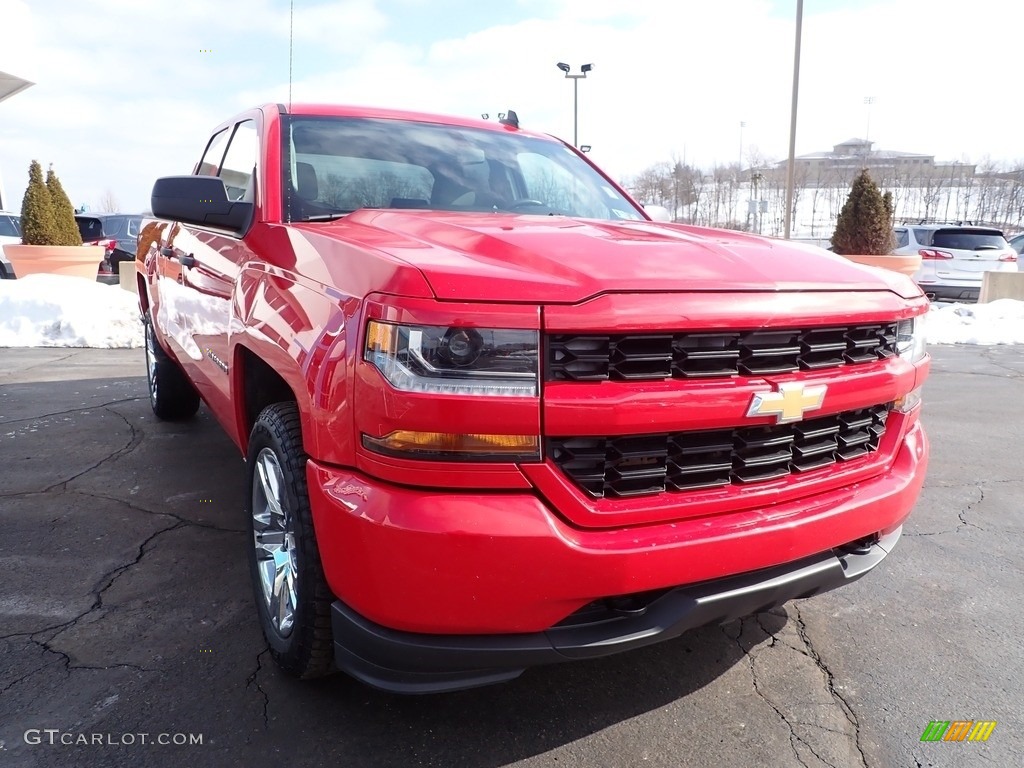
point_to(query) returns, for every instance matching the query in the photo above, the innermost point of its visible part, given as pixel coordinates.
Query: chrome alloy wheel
(151, 364)
(274, 540)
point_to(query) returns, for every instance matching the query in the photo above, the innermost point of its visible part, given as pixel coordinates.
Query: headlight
(456, 360)
(910, 338)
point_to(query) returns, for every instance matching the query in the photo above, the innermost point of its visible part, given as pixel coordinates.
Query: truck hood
(494, 257)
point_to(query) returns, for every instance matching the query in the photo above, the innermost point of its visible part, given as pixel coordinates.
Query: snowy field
(53, 311)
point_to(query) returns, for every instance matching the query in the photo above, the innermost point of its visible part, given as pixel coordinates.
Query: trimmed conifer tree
(38, 218)
(64, 212)
(864, 226)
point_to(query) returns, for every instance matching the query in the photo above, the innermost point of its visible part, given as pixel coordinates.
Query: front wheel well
(261, 386)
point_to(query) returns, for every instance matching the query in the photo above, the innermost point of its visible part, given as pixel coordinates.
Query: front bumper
(407, 662)
(439, 590)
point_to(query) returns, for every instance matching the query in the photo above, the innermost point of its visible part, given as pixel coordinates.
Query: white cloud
(123, 93)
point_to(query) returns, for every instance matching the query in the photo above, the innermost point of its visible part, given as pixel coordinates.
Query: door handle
(186, 260)
(165, 251)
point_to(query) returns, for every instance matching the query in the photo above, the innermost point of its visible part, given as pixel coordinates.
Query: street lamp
(790, 166)
(868, 100)
(575, 94)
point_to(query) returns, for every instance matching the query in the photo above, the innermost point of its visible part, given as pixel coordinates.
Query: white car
(10, 234)
(955, 258)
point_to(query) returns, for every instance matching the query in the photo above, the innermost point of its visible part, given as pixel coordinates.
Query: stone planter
(904, 264)
(71, 260)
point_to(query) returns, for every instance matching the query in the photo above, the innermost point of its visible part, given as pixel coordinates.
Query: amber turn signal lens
(457, 446)
(908, 402)
(379, 336)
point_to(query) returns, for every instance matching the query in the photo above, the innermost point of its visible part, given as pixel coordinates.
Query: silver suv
(955, 257)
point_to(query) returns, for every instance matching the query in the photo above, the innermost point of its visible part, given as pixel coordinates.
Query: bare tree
(964, 189)
(653, 185)
(108, 203)
(987, 199)
(988, 192)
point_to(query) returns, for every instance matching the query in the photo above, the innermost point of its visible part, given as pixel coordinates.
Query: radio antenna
(291, 48)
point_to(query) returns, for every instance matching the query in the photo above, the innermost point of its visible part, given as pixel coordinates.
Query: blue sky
(127, 90)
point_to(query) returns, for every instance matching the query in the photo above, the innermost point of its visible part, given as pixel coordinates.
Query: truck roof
(383, 113)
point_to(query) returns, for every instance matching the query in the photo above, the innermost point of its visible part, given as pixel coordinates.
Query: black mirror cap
(200, 200)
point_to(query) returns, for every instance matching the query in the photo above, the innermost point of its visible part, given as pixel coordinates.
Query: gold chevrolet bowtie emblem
(790, 403)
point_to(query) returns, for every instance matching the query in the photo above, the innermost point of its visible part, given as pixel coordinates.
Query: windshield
(337, 165)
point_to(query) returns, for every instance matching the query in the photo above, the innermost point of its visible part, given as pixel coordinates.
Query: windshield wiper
(327, 216)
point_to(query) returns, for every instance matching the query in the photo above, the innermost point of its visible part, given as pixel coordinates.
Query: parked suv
(117, 232)
(10, 234)
(955, 258)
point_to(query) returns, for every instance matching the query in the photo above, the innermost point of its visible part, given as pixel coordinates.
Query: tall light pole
(868, 100)
(791, 165)
(581, 75)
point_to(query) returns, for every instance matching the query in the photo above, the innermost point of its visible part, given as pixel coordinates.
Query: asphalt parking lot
(126, 610)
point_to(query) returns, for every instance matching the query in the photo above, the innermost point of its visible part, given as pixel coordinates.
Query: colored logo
(789, 403)
(958, 730)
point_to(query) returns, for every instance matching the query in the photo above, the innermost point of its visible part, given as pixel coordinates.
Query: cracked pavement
(126, 609)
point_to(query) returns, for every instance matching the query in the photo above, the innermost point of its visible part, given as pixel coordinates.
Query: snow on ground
(60, 311)
(998, 322)
(55, 311)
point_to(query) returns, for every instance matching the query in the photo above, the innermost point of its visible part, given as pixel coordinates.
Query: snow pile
(60, 311)
(57, 311)
(998, 322)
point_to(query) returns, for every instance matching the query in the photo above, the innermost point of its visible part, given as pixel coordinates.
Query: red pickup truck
(494, 416)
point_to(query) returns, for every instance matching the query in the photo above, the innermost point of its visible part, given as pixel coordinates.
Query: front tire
(171, 395)
(292, 598)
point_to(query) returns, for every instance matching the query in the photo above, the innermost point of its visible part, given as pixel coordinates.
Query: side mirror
(200, 200)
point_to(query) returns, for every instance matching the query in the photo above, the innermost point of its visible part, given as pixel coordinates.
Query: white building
(848, 157)
(9, 85)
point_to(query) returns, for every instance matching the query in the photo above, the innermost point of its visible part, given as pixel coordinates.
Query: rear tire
(292, 598)
(171, 395)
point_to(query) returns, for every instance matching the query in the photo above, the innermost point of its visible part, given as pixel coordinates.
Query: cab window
(214, 153)
(240, 161)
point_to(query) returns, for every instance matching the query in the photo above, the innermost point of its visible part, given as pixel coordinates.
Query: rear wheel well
(261, 386)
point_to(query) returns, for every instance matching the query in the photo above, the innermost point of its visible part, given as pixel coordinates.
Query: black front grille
(637, 356)
(678, 461)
